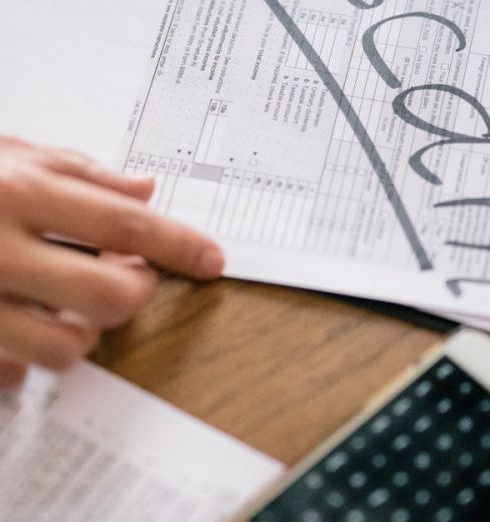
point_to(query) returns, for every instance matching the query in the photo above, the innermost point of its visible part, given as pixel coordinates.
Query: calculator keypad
(424, 457)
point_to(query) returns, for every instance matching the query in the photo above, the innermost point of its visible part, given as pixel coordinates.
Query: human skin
(55, 302)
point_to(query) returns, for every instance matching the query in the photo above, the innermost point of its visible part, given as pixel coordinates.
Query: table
(278, 368)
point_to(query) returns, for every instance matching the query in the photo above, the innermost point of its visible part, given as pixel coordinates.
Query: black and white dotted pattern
(424, 457)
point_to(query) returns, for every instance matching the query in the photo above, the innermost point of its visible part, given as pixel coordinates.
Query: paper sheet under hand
(247, 144)
(335, 146)
(92, 448)
(71, 70)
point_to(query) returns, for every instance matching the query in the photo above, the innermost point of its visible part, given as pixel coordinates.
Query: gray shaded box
(207, 172)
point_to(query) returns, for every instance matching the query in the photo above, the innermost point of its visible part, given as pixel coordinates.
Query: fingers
(74, 164)
(38, 187)
(106, 293)
(77, 165)
(114, 222)
(34, 339)
(12, 372)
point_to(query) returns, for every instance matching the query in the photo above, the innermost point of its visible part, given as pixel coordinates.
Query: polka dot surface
(423, 457)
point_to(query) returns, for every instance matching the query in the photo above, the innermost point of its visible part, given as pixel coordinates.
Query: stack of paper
(91, 447)
(340, 146)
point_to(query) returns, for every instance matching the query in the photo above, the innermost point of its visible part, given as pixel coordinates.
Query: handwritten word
(400, 108)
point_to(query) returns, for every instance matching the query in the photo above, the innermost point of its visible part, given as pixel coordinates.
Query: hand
(54, 303)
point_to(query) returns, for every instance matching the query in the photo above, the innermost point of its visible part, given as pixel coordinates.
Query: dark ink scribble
(421, 169)
(359, 130)
(375, 57)
(483, 202)
(464, 202)
(462, 244)
(362, 5)
(401, 109)
(454, 285)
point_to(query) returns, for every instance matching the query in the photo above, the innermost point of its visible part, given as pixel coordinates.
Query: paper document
(340, 146)
(71, 70)
(94, 448)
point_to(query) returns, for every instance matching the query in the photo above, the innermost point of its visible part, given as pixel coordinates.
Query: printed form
(93, 448)
(340, 146)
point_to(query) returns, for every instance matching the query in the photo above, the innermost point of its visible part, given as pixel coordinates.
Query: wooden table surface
(278, 368)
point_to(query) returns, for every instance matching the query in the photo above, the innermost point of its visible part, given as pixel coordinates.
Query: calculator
(422, 455)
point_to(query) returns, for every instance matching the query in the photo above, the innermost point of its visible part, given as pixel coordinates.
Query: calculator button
(465, 388)
(314, 481)
(335, 462)
(358, 480)
(423, 424)
(422, 497)
(466, 459)
(465, 497)
(484, 478)
(380, 424)
(444, 442)
(401, 442)
(402, 406)
(355, 515)
(310, 515)
(444, 371)
(444, 478)
(379, 461)
(423, 389)
(400, 515)
(444, 406)
(485, 441)
(401, 479)
(378, 497)
(358, 443)
(444, 514)
(335, 499)
(465, 424)
(423, 461)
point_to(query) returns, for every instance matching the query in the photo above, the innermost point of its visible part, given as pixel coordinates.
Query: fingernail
(212, 263)
(70, 318)
(141, 179)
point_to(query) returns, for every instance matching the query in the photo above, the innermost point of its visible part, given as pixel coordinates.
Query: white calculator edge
(468, 349)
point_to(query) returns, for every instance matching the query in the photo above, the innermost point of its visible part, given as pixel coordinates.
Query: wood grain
(278, 368)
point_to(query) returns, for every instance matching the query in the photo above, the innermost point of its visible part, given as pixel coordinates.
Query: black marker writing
(362, 5)
(464, 202)
(419, 167)
(358, 128)
(482, 202)
(375, 57)
(461, 244)
(455, 284)
(401, 109)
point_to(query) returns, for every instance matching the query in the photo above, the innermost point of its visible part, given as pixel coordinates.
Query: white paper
(71, 70)
(92, 447)
(248, 145)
